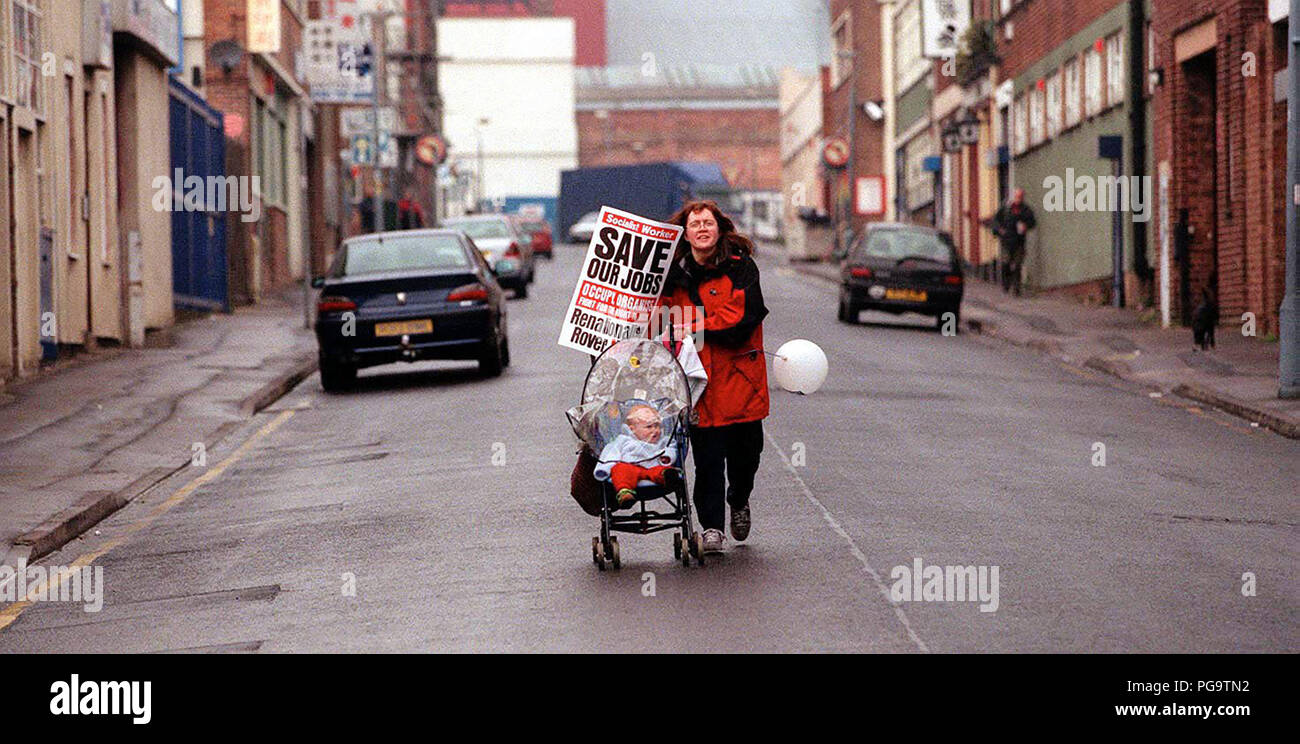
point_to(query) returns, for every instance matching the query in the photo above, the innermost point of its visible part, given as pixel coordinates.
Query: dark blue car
(408, 296)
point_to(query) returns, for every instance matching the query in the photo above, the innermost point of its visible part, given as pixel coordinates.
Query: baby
(636, 454)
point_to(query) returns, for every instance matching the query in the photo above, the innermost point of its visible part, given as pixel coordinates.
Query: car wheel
(521, 290)
(337, 377)
(505, 352)
(490, 363)
(848, 311)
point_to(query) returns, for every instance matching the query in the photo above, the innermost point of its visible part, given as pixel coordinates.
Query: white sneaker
(714, 541)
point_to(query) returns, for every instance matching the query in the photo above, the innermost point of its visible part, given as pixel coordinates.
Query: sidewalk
(78, 443)
(1239, 376)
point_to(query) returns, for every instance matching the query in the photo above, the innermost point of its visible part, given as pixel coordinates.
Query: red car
(540, 230)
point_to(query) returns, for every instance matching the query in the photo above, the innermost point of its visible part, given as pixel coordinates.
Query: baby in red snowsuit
(630, 459)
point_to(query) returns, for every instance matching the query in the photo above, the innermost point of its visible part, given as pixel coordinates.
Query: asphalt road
(442, 500)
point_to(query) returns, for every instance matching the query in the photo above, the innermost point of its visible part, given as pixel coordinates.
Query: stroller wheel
(697, 548)
(677, 545)
(613, 552)
(597, 553)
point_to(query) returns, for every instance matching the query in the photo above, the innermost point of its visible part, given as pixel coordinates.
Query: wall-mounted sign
(869, 197)
(431, 150)
(264, 26)
(942, 24)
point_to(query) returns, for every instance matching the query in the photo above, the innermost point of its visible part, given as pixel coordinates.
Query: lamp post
(478, 180)
(1289, 333)
(849, 173)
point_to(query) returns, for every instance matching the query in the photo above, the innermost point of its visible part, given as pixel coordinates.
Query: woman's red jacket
(732, 352)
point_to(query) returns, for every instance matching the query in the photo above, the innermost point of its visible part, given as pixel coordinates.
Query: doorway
(1196, 163)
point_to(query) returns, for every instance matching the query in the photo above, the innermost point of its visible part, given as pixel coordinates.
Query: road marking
(853, 547)
(11, 613)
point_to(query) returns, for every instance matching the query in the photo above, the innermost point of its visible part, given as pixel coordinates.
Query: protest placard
(622, 277)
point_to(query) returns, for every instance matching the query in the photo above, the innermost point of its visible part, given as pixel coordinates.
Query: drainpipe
(1137, 121)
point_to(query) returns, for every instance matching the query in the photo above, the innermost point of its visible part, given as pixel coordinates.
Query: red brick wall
(745, 142)
(1249, 154)
(868, 139)
(1042, 25)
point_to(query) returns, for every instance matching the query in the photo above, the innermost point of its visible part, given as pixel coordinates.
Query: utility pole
(378, 21)
(1289, 362)
(849, 171)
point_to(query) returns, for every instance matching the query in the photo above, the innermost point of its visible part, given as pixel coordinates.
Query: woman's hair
(729, 241)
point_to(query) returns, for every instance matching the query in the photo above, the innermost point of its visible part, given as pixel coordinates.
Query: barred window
(1036, 106)
(1021, 143)
(1115, 70)
(1073, 103)
(28, 23)
(1092, 91)
(1054, 104)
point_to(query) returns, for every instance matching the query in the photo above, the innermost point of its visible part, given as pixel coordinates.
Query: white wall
(518, 74)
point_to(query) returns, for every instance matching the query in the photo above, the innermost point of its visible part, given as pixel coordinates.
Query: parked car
(584, 228)
(540, 231)
(901, 268)
(408, 296)
(507, 248)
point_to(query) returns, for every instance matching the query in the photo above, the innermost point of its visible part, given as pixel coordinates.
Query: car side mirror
(317, 282)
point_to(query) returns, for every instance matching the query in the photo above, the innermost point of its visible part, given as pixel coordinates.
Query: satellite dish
(226, 54)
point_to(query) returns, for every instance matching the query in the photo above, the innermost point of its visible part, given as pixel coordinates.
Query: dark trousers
(726, 459)
(1014, 258)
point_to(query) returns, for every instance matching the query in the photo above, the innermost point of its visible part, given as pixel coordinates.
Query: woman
(714, 270)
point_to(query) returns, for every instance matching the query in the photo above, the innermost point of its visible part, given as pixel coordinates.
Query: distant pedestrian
(713, 268)
(1012, 224)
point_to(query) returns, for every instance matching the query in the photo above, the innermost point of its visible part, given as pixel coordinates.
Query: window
(1054, 104)
(1115, 70)
(1036, 105)
(842, 35)
(1092, 82)
(1021, 143)
(270, 150)
(909, 65)
(27, 41)
(1073, 107)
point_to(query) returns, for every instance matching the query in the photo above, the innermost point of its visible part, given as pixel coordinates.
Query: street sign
(356, 121)
(363, 152)
(431, 150)
(835, 152)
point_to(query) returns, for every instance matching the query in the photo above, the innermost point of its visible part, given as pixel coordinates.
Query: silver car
(505, 247)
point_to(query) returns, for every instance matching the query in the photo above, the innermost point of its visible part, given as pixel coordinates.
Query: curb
(273, 390)
(66, 525)
(1229, 404)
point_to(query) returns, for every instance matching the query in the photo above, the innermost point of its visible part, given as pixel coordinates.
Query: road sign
(363, 152)
(835, 152)
(431, 150)
(357, 121)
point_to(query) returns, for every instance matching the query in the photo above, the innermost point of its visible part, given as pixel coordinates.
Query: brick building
(268, 116)
(853, 75)
(1218, 107)
(1067, 62)
(707, 114)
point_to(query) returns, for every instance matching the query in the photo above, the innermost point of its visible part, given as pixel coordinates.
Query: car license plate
(908, 295)
(424, 325)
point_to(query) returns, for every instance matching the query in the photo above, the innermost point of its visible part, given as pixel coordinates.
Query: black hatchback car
(901, 268)
(408, 296)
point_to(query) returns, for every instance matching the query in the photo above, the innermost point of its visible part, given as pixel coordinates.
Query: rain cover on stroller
(631, 372)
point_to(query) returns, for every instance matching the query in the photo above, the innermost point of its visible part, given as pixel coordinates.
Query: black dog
(1204, 318)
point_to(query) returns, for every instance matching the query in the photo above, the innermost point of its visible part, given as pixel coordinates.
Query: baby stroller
(640, 372)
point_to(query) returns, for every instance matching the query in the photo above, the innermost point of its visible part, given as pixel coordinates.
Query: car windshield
(899, 245)
(533, 226)
(400, 253)
(589, 217)
(481, 229)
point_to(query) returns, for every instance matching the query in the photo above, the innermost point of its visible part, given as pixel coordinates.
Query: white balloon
(800, 366)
